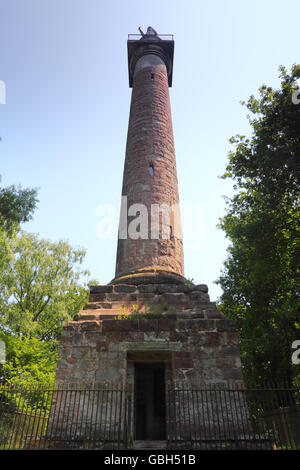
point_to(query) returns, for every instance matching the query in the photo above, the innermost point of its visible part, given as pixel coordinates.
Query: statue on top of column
(150, 34)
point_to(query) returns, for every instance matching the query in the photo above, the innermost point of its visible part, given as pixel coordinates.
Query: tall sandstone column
(150, 237)
(149, 318)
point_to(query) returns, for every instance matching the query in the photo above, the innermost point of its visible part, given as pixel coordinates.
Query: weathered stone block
(172, 299)
(201, 352)
(104, 305)
(165, 324)
(201, 288)
(119, 297)
(93, 306)
(80, 351)
(147, 324)
(100, 289)
(147, 297)
(196, 324)
(119, 325)
(96, 297)
(226, 325)
(213, 313)
(172, 288)
(228, 351)
(226, 362)
(232, 373)
(207, 370)
(124, 288)
(111, 376)
(212, 339)
(199, 297)
(68, 330)
(77, 339)
(101, 346)
(230, 338)
(182, 359)
(148, 288)
(197, 314)
(157, 336)
(132, 297)
(88, 326)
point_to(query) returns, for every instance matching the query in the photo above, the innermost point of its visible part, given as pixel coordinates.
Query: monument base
(123, 324)
(175, 356)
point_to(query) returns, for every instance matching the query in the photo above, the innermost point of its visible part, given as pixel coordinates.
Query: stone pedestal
(176, 324)
(174, 328)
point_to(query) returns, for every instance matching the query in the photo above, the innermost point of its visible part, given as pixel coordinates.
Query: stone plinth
(185, 334)
(185, 330)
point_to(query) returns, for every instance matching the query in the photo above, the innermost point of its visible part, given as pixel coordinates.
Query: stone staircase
(109, 302)
(149, 445)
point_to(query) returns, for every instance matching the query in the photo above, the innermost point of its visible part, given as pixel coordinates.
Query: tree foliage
(260, 279)
(16, 206)
(41, 288)
(29, 361)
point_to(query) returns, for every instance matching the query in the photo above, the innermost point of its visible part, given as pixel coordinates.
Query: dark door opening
(150, 401)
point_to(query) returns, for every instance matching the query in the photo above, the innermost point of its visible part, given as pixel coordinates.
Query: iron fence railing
(64, 418)
(197, 417)
(218, 417)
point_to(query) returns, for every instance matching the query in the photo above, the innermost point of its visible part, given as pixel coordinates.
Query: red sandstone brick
(212, 339)
(172, 299)
(182, 360)
(150, 142)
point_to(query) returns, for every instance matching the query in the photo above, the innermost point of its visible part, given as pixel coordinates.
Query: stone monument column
(150, 330)
(150, 236)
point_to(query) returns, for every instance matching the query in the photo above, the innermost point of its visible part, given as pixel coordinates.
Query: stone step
(114, 313)
(97, 305)
(99, 314)
(96, 317)
(144, 445)
(111, 304)
(119, 307)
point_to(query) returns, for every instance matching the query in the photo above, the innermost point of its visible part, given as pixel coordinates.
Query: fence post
(168, 408)
(128, 417)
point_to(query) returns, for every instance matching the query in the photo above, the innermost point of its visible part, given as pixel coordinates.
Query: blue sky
(64, 124)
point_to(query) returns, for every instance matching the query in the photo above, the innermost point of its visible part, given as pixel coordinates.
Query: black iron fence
(197, 417)
(64, 418)
(216, 418)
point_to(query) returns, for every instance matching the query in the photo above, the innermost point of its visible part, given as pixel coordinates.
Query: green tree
(29, 361)
(41, 288)
(16, 206)
(260, 279)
